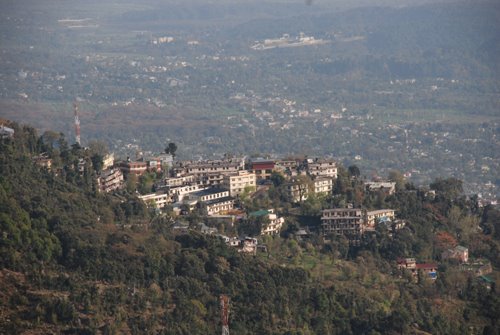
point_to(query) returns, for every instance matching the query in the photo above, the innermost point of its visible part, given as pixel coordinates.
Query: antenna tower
(77, 124)
(224, 313)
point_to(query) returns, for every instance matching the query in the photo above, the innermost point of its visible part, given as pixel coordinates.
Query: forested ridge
(74, 261)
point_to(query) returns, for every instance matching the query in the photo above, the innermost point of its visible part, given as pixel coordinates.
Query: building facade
(236, 183)
(323, 185)
(322, 167)
(262, 169)
(137, 168)
(344, 221)
(110, 180)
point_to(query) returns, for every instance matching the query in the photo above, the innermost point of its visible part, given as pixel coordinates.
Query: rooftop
(218, 200)
(209, 191)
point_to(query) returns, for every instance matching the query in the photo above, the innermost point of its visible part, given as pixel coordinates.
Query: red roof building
(263, 169)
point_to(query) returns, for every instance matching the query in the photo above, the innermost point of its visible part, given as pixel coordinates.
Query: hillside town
(305, 216)
(218, 191)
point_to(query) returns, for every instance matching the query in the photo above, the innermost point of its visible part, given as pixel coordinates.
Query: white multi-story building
(213, 200)
(372, 217)
(274, 224)
(323, 185)
(180, 192)
(158, 200)
(218, 206)
(384, 186)
(175, 182)
(297, 190)
(201, 169)
(322, 167)
(108, 161)
(236, 183)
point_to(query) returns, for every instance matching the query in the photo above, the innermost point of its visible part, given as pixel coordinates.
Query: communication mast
(224, 313)
(77, 124)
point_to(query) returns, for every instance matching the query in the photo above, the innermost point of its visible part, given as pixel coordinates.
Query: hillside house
(352, 222)
(156, 200)
(237, 183)
(458, 253)
(274, 224)
(387, 187)
(43, 161)
(6, 132)
(379, 215)
(203, 170)
(218, 206)
(287, 167)
(110, 180)
(213, 200)
(175, 182)
(322, 167)
(297, 190)
(179, 193)
(344, 221)
(323, 185)
(108, 161)
(249, 246)
(137, 168)
(262, 169)
(478, 267)
(429, 270)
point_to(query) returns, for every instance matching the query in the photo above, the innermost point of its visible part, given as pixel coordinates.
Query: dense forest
(74, 261)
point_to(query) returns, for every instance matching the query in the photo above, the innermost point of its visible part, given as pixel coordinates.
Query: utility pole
(224, 313)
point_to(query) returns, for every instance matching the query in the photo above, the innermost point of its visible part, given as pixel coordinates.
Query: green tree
(171, 149)
(354, 171)
(398, 178)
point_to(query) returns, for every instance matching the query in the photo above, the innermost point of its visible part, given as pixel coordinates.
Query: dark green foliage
(69, 263)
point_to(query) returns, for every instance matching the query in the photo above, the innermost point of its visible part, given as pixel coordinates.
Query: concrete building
(428, 270)
(236, 183)
(6, 132)
(262, 169)
(353, 222)
(179, 193)
(349, 222)
(478, 267)
(201, 169)
(175, 182)
(209, 194)
(322, 167)
(249, 245)
(287, 167)
(137, 168)
(372, 217)
(323, 185)
(108, 161)
(43, 161)
(298, 189)
(458, 253)
(274, 224)
(213, 200)
(218, 206)
(110, 180)
(157, 200)
(387, 187)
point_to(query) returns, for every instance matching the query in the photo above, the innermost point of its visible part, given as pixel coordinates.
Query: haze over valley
(410, 86)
